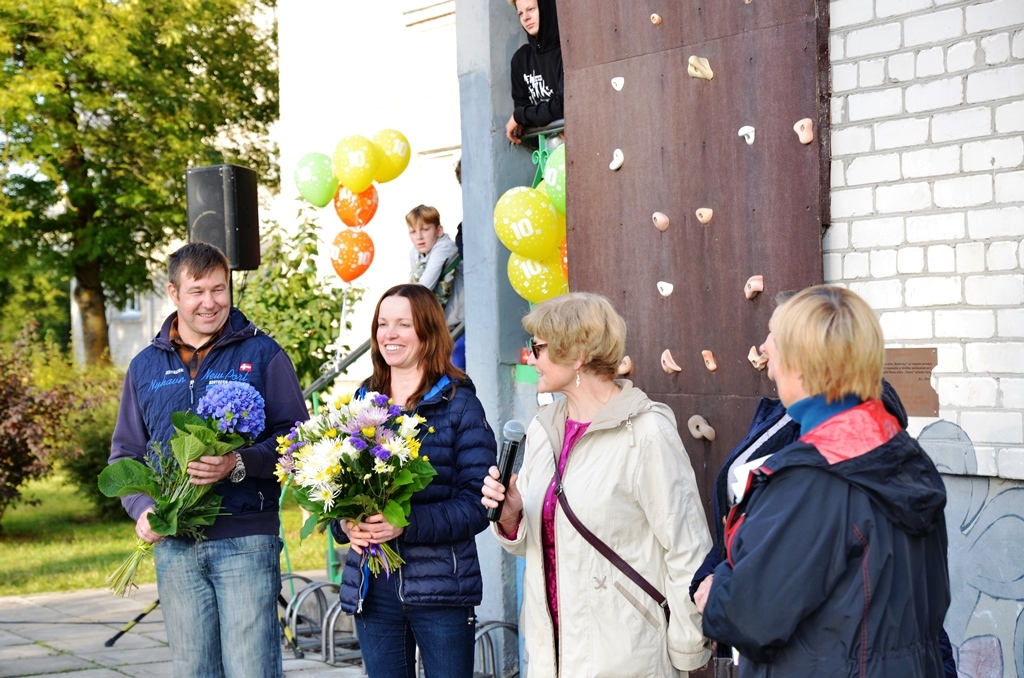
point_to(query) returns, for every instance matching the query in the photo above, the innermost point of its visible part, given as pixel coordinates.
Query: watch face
(238, 474)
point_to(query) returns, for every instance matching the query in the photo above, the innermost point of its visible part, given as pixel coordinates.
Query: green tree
(103, 105)
(289, 301)
(30, 292)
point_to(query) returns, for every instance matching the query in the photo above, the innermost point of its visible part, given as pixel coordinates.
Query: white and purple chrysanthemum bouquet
(356, 458)
(230, 415)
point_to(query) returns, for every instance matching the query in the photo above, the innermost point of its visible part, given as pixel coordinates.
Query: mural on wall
(985, 520)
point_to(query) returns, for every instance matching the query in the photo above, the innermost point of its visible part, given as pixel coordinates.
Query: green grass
(59, 544)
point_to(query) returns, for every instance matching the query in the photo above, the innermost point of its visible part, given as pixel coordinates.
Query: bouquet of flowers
(229, 416)
(356, 458)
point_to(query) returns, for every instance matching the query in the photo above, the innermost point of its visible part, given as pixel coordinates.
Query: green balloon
(315, 179)
(554, 178)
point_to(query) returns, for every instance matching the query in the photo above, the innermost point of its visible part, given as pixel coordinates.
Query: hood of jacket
(627, 403)
(902, 482)
(897, 475)
(547, 37)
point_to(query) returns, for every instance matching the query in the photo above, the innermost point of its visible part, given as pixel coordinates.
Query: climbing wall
(676, 136)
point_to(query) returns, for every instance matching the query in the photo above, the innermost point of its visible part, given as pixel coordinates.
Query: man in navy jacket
(219, 594)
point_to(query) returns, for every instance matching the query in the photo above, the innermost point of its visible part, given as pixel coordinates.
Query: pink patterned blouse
(574, 430)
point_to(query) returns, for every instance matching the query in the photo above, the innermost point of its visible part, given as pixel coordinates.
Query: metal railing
(540, 156)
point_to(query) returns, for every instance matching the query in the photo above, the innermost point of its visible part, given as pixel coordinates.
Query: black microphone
(513, 434)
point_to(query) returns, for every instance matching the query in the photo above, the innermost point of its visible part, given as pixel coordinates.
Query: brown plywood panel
(682, 152)
(603, 32)
(685, 155)
(730, 417)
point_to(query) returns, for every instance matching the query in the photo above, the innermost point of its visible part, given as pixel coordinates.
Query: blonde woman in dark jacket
(836, 553)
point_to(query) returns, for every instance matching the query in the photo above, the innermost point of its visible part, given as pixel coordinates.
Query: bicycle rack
(330, 641)
(322, 630)
(313, 626)
(487, 650)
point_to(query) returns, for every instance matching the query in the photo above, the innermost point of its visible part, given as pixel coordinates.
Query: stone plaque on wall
(909, 370)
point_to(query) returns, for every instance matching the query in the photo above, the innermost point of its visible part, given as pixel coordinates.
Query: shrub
(84, 463)
(80, 440)
(26, 419)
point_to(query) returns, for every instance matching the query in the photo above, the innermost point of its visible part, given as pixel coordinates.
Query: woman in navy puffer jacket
(429, 601)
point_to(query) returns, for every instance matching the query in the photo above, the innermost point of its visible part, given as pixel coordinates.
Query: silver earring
(577, 378)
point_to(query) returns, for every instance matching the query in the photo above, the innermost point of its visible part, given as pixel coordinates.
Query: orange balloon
(564, 251)
(355, 209)
(351, 254)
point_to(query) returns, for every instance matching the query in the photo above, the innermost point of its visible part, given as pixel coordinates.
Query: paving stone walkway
(62, 635)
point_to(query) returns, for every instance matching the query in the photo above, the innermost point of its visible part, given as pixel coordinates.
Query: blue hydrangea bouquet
(356, 458)
(230, 415)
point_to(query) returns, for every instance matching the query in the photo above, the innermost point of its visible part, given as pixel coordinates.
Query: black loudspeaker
(223, 211)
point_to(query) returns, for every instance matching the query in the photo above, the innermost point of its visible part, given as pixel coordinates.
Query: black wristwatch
(238, 474)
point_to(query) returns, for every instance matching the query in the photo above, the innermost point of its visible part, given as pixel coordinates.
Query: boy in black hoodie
(536, 69)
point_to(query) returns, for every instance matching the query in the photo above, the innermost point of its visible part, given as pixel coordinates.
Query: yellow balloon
(394, 154)
(534, 280)
(527, 223)
(355, 163)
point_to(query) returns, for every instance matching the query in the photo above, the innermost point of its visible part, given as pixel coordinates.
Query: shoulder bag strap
(606, 550)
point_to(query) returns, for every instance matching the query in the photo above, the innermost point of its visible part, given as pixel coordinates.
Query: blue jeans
(389, 631)
(219, 601)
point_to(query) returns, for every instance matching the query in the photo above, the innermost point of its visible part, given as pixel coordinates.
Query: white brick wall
(928, 196)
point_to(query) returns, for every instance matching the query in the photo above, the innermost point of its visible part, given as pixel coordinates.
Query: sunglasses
(535, 347)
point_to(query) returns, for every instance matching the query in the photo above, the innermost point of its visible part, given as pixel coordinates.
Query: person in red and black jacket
(836, 550)
(536, 69)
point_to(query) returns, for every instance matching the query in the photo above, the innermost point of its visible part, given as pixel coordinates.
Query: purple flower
(371, 417)
(394, 411)
(358, 443)
(380, 400)
(236, 407)
(381, 453)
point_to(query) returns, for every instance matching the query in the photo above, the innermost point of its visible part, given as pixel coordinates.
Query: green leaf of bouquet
(202, 432)
(205, 517)
(165, 520)
(127, 476)
(421, 468)
(403, 497)
(302, 499)
(308, 526)
(204, 510)
(404, 477)
(360, 500)
(229, 444)
(422, 480)
(187, 448)
(395, 514)
(180, 420)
